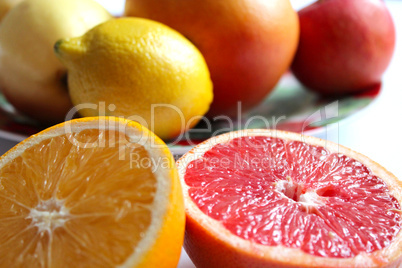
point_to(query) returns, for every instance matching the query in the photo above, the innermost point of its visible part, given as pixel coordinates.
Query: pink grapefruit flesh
(273, 191)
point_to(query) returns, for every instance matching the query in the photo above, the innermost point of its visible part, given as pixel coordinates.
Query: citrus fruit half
(93, 192)
(265, 198)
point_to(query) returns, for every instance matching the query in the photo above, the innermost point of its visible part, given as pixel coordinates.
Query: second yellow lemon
(138, 69)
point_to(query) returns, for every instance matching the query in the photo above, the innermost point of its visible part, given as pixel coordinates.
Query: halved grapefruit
(93, 192)
(266, 198)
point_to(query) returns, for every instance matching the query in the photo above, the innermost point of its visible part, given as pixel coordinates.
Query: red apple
(345, 45)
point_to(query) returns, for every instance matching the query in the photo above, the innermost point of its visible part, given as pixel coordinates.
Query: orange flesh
(66, 206)
(276, 192)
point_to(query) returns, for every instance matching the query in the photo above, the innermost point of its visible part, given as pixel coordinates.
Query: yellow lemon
(92, 192)
(31, 76)
(138, 69)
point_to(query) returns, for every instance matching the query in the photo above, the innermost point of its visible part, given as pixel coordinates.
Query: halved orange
(266, 198)
(92, 192)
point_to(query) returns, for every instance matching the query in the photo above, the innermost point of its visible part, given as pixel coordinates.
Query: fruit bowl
(290, 107)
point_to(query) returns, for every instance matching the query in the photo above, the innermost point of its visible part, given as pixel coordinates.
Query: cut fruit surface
(93, 192)
(265, 197)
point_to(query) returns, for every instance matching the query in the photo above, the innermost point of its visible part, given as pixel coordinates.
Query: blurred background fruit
(31, 77)
(142, 70)
(345, 45)
(247, 44)
(6, 5)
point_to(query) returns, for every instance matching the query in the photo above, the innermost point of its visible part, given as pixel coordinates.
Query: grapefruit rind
(201, 230)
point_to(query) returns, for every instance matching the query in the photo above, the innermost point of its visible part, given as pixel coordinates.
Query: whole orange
(247, 44)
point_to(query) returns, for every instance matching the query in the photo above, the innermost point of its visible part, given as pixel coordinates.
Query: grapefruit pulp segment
(273, 191)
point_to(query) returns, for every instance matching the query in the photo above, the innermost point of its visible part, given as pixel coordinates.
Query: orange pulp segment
(90, 198)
